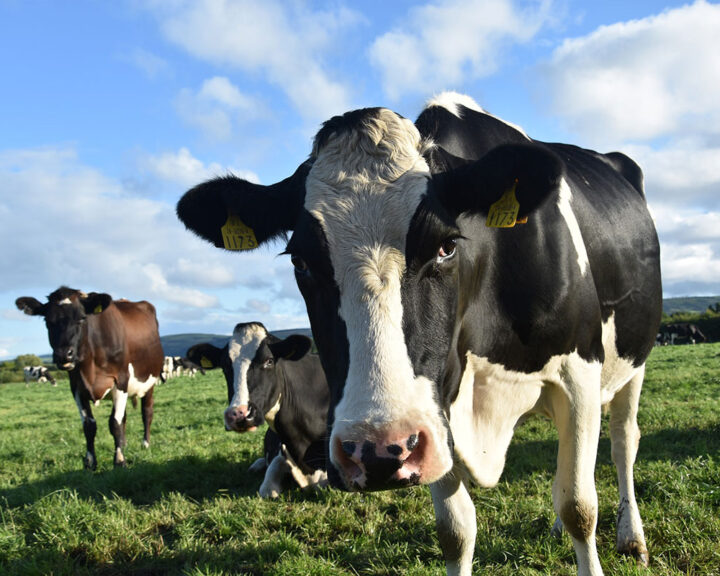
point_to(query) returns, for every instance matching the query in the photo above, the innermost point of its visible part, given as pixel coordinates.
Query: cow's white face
(363, 190)
(243, 346)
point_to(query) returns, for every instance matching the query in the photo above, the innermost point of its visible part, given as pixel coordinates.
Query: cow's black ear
(205, 355)
(31, 306)
(531, 171)
(293, 347)
(95, 303)
(238, 215)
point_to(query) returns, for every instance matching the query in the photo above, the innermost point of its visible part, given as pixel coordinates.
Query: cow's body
(38, 374)
(277, 381)
(438, 331)
(108, 347)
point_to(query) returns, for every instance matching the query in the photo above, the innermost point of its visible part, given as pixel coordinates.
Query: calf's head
(66, 313)
(250, 365)
(378, 256)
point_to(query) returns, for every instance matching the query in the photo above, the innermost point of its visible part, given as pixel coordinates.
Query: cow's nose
(238, 418)
(383, 463)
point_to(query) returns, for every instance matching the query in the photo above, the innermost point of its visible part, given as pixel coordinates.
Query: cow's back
(622, 246)
(142, 339)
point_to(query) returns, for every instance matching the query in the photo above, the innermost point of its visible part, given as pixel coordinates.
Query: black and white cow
(280, 382)
(442, 319)
(38, 374)
(681, 332)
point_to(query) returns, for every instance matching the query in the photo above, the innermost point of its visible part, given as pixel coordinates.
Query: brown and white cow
(108, 347)
(459, 276)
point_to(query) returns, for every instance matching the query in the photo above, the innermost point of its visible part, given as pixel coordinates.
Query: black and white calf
(38, 374)
(280, 382)
(459, 276)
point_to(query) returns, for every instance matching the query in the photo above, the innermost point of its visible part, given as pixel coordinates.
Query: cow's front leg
(147, 404)
(89, 427)
(117, 424)
(575, 406)
(625, 437)
(455, 522)
(277, 471)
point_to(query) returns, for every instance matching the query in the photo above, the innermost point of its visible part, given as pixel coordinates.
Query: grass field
(188, 506)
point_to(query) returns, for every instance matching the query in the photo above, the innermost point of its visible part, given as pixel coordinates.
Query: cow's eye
(446, 250)
(301, 268)
(269, 363)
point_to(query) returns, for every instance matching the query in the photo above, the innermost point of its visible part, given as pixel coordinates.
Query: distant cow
(107, 346)
(277, 381)
(38, 374)
(683, 331)
(177, 366)
(459, 276)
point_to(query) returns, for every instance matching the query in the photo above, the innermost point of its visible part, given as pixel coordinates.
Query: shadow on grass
(145, 482)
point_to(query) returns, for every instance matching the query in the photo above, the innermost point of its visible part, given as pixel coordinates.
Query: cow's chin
(242, 427)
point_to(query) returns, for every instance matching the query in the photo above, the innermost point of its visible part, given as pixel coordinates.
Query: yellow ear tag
(503, 213)
(98, 309)
(205, 363)
(237, 235)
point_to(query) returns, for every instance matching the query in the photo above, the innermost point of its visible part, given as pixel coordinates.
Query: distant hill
(689, 304)
(178, 344)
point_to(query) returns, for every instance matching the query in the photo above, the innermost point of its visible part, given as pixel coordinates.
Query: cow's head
(378, 253)
(249, 364)
(65, 313)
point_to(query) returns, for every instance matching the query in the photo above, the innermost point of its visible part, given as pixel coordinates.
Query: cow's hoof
(557, 529)
(145, 444)
(120, 464)
(90, 463)
(258, 466)
(638, 551)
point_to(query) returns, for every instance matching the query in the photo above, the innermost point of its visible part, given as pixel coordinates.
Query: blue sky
(111, 110)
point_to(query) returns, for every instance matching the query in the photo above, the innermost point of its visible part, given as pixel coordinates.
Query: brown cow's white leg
(625, 437)
(455, 522)
(117, 424)
(575, 407)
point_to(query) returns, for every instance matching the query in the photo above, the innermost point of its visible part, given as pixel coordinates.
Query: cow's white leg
(575, 407)
(258, 466)
(89, 428)
(271, 486)
(117, 423)
(455, 522)
(625, 437)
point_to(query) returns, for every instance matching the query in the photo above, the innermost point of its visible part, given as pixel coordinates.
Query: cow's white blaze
(565, 206)
(242, 348)
(363, 189)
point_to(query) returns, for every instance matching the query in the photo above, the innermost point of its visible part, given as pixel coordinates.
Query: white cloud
(651, 88)
(183, 168)
(152, 65)
(642, 79)
(446, 42)
(288, 43)
(218, 108)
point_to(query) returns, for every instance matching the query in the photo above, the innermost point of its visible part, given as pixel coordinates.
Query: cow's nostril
(348, 447)
(396, 449)
(412, 442)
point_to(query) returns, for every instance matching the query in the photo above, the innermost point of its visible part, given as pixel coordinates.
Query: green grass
(188, 506)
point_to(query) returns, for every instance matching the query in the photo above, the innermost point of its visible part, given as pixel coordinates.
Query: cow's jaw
(388, 429)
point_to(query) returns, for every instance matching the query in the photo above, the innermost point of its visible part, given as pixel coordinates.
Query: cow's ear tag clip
(504, 212)
(237, 235)
(205, 363)
(98, 309)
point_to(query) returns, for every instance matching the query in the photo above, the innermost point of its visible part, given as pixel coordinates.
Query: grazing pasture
(187, 506)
